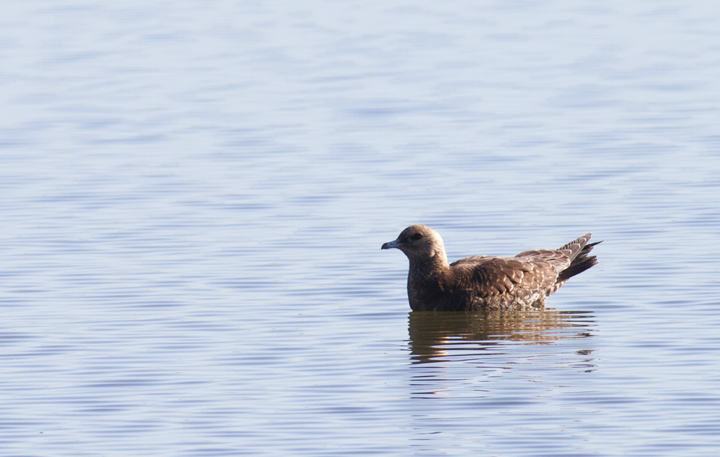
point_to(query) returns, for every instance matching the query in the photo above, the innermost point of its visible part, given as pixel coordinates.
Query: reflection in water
(449, 350)
(436, 337)
(504, 358)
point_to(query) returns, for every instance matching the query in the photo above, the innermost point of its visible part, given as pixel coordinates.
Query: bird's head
(419, 243)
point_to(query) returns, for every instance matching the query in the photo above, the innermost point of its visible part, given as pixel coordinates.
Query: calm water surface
(193, 197)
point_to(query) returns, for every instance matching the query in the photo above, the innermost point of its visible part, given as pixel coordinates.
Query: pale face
(418, 242)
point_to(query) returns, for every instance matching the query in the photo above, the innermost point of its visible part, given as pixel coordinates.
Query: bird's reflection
(469, 352)
(435, 337)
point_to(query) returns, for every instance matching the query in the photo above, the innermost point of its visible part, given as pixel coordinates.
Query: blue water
(193, 197)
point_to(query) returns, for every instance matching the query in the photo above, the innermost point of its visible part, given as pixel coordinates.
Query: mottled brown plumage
(484, 282)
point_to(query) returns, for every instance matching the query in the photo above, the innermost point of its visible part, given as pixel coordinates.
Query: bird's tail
(581, 261)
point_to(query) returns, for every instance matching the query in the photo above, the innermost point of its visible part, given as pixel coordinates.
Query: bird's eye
(416, 237)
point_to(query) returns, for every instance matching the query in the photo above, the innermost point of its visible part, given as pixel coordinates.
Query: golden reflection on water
(435, 337)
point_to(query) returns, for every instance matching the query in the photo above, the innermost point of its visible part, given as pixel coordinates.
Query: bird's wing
(559, 259)
(499, 275)
(475, 260)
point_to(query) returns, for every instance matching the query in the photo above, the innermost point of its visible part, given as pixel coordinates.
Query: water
(194, 196)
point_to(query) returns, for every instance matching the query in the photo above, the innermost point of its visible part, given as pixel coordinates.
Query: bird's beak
(393, 244)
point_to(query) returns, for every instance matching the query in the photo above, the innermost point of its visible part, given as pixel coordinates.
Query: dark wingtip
(580, 263)
(577, 267)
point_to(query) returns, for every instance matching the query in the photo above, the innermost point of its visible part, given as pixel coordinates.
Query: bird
(486, 282)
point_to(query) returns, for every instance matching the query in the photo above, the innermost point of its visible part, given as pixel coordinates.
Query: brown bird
(485, 282)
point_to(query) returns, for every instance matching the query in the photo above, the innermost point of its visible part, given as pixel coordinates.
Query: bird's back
(523, 281)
